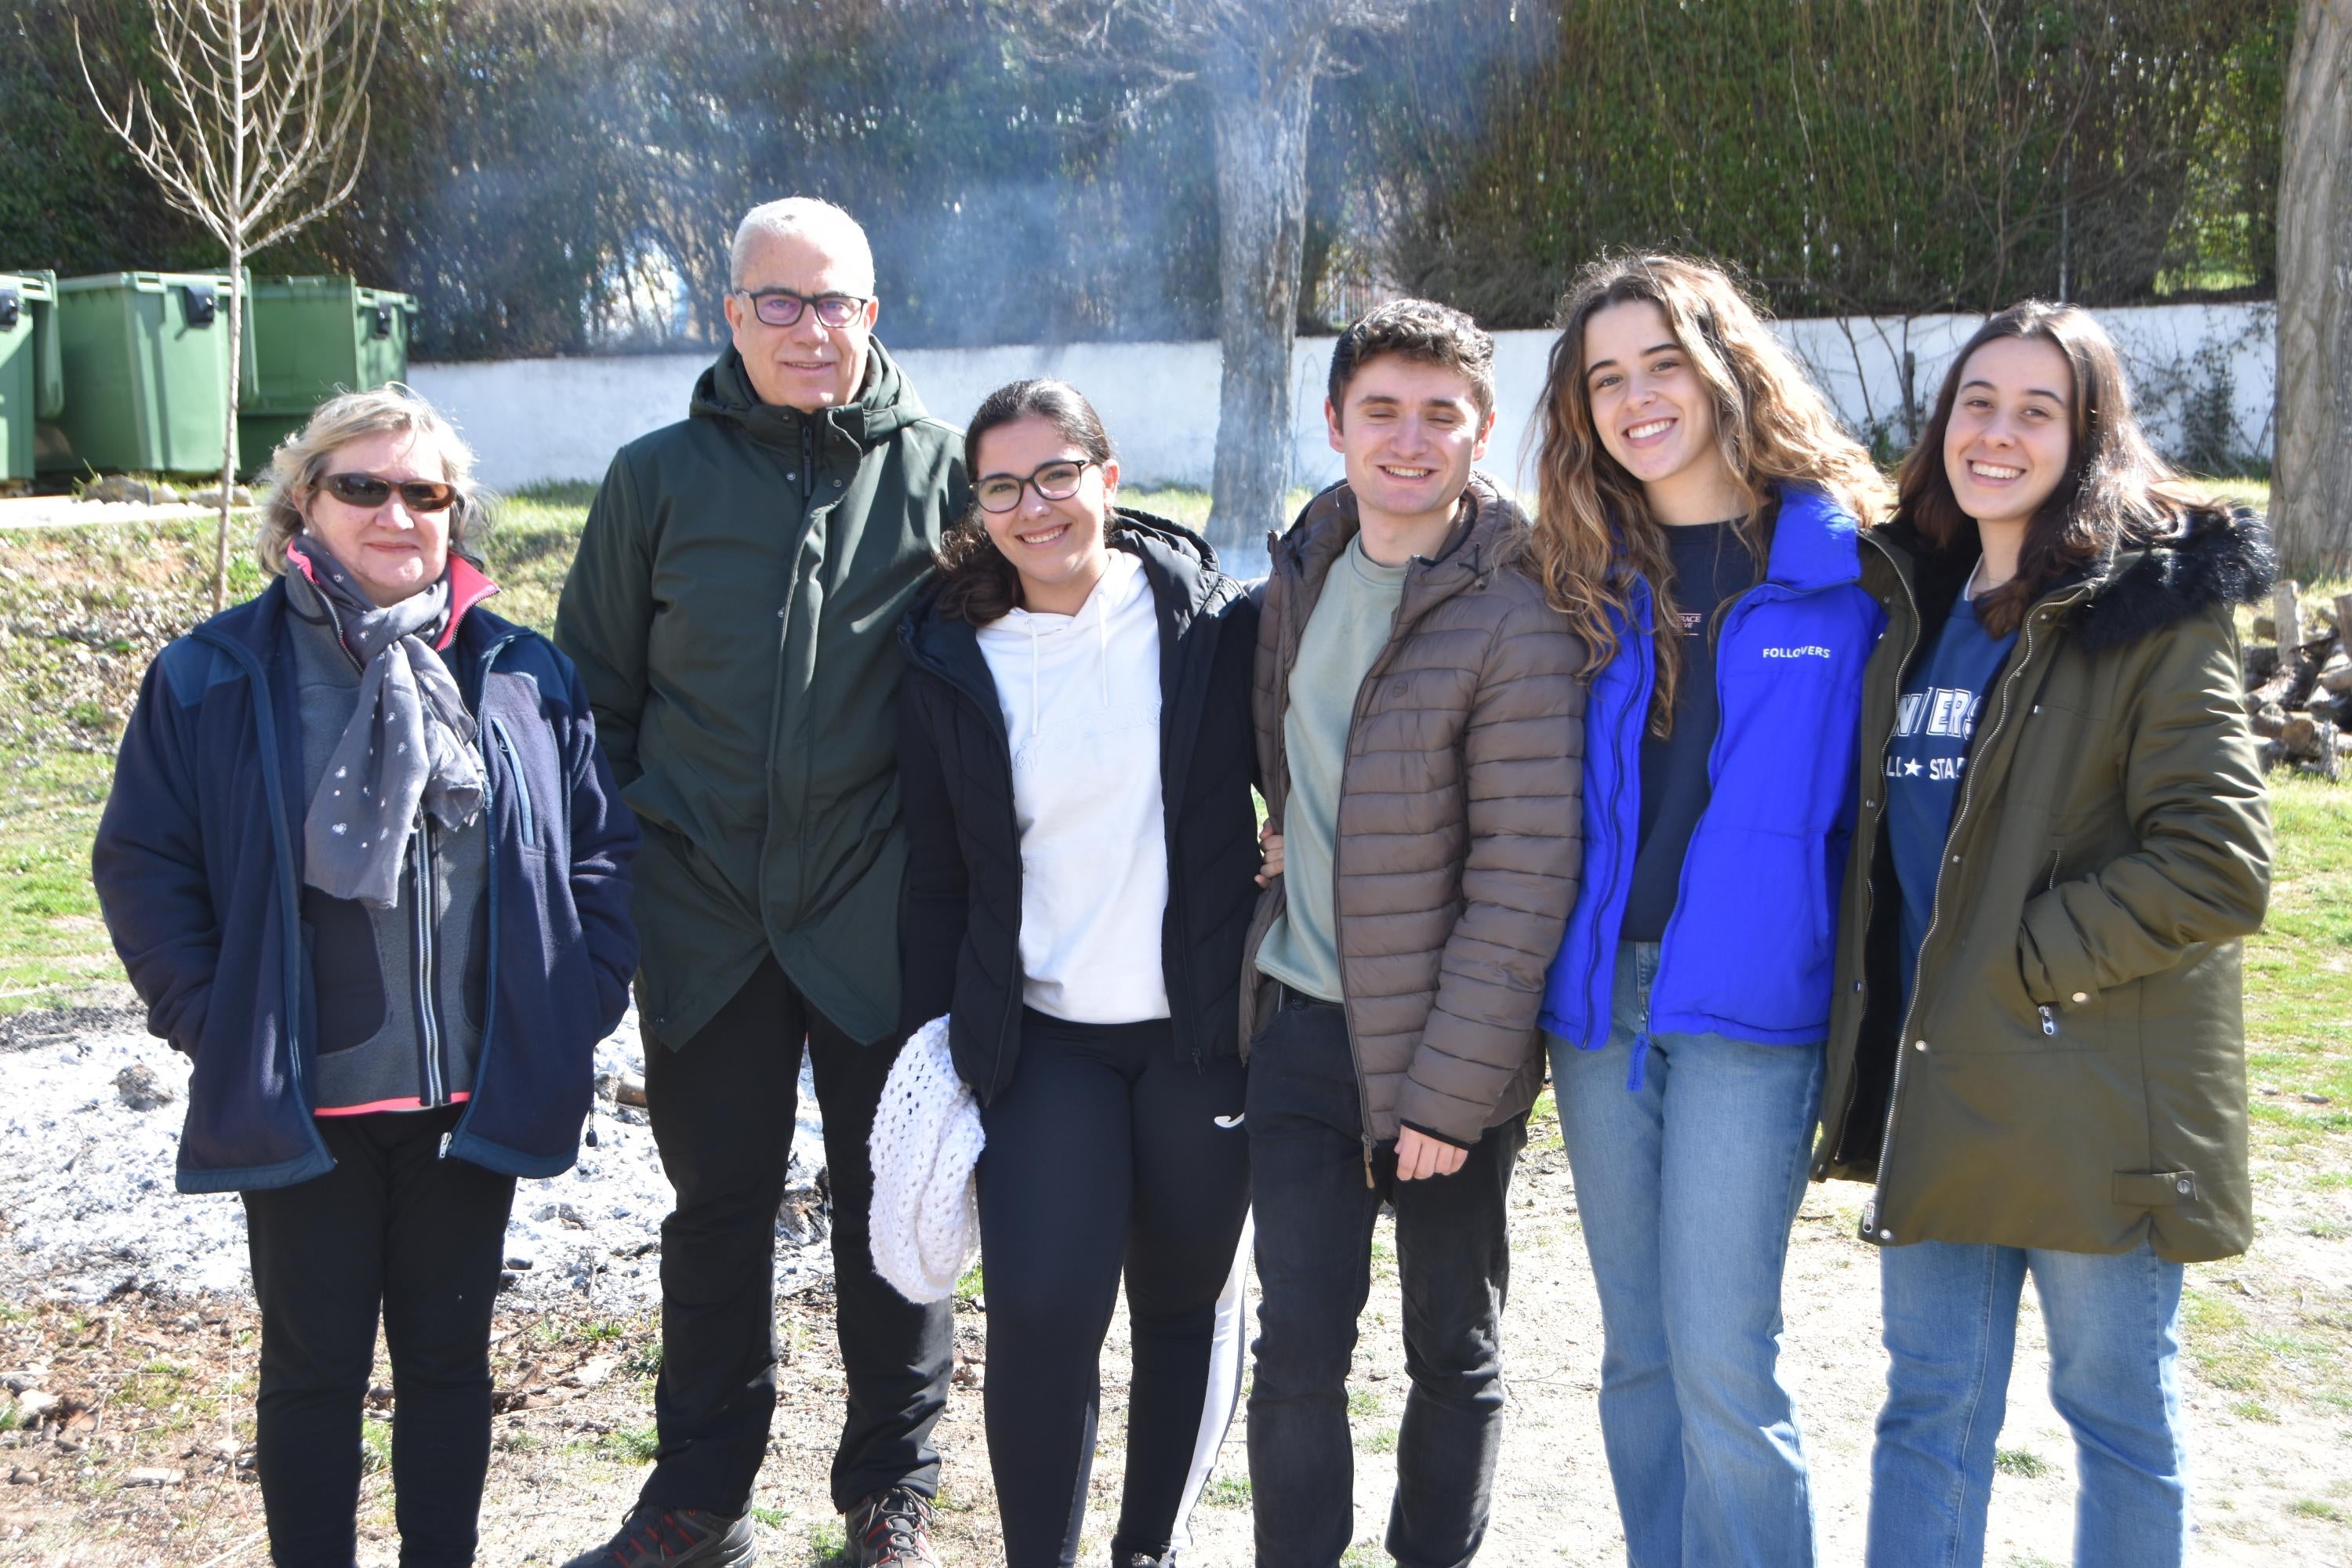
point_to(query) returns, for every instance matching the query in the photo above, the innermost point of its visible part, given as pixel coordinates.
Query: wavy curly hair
(1594, 532)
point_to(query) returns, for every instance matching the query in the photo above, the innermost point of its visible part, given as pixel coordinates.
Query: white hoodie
(1081, 701)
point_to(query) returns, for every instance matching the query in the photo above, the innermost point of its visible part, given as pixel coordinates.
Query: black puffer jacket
(960, 933)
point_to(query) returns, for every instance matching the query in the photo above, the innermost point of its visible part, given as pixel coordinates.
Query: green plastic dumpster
(146, 359)
(313, 338)
(32, 376)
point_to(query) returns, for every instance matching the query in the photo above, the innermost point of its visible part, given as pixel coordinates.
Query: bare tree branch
(263, 128)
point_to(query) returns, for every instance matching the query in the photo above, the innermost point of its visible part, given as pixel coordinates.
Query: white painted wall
(562, 419)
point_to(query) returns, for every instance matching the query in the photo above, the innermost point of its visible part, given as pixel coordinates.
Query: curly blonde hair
(299, 464)
(1594, 532)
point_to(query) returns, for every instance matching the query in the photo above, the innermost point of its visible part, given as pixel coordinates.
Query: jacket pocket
(348, 1000)
(2155, 1189)
(519, 784)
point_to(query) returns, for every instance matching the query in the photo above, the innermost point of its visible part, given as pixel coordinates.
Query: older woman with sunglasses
(368, 869)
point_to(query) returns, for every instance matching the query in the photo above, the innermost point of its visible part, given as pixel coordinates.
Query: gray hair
(802, 215)
(299, 464)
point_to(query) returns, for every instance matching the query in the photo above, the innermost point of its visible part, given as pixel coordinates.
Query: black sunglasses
(782, 306)
(367, 490)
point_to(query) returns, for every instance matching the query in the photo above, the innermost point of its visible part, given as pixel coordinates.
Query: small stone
(632, 1091)
(593, 1373)
(153, 1476)
(34, 1404)
(139, 1088)
(24, 1475)
(119, 488)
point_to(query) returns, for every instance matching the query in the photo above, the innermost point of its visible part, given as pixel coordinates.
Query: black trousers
(722, 1108)
(393, 1229)
(1314, 1215)
(1104, 1153)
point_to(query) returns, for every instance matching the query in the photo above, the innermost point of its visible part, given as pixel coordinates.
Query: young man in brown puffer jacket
(1419, 713)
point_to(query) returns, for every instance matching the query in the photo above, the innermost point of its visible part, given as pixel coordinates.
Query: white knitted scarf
(925, 1144)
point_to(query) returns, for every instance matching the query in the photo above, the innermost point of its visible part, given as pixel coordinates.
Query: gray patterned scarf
(409, 744)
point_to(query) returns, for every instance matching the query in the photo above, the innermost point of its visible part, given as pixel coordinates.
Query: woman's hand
(1269, 843)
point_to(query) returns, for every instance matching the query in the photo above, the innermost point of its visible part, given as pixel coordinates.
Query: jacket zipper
(1874, 1209)
(1175, 965)
(1738, 607)
(1346, 1013)
(428, 1023)
(489, 913)
(1620, 868)
(522, 784)
(1869, 882)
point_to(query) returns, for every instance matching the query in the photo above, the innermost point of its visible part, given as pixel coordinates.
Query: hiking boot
(892, 1529)
(674, 1538)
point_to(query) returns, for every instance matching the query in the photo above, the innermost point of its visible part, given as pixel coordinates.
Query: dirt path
(165, 1386)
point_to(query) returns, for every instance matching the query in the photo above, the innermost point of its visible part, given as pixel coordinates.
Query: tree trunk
(228, 438)
(233, 220)
(2311, 488)
(1260, 111)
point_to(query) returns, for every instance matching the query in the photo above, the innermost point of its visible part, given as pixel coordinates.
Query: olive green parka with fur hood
(2069, 1071)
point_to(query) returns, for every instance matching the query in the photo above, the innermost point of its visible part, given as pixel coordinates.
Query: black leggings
(1106, 1150)
(392, 1227)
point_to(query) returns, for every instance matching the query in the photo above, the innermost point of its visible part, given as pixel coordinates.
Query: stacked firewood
(2299, 683)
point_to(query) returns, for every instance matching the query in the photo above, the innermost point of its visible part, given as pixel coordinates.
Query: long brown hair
(2116, 490)
(1594, 533)
(978, 583)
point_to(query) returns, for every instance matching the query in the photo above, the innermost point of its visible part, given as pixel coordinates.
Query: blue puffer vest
(1749, 950)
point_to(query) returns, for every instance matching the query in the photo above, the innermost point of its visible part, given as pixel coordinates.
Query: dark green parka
(2071, 1071)
(734, 613)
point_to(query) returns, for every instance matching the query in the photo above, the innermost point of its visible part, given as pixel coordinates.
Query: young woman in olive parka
(2038, 1051)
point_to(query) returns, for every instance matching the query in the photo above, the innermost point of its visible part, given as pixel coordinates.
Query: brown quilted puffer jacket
(1458, 842)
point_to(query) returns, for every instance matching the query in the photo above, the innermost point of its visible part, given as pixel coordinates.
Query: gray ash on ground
(88, 1210)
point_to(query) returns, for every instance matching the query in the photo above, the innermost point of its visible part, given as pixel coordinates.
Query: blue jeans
(2114, 1323)
(1687, 1187)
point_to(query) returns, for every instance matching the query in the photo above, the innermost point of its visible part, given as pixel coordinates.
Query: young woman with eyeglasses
(2038, 1056)
(367, 866)
(1075, 759)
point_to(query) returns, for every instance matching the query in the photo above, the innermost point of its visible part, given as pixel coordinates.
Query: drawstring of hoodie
(1037, 710)
(1102, 663)
(1102, 642)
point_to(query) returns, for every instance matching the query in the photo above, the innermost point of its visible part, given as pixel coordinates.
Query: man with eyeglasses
(734, 611)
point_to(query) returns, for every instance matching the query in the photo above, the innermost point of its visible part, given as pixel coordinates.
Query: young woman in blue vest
(1697, 516)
